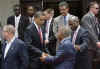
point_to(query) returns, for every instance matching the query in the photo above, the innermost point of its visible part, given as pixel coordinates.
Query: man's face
(95, 9)
(41, 20)
(47, 15)
(30, 11)
(17, 10)
(72, 25)
(5, 35)
(63, 10)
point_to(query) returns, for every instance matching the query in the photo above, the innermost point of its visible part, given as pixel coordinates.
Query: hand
(44, 54)
(42, 58)
(77, 47)
(98, 44)
(46, 41)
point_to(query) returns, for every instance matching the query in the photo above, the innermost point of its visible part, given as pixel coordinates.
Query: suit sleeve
(85, 24)
(23, 55)
(58, 58)
(84, 39)
(28, 41)
(64, 51)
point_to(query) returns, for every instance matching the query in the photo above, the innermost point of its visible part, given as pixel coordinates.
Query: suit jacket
(65, 55)
(52, 39)
(88, 22)
(35, 47)
(17, 56)
(23, 23)
(58, 22)
(82, 55)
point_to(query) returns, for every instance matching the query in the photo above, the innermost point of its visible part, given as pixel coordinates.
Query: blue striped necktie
(65, 22)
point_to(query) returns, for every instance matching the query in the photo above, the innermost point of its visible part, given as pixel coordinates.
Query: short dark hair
(64, 3)
(49, 10)
(38, 14)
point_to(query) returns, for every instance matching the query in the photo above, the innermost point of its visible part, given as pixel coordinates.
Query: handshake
(43, 57)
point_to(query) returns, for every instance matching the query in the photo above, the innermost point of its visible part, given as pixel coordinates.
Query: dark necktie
(97, 26)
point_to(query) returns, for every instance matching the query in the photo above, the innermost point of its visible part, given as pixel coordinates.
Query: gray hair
(9, 28)
(38, 14)
(64, 3)
(74, 19)
(65, 31)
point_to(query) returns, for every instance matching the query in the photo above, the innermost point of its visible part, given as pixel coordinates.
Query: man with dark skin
(80, 42)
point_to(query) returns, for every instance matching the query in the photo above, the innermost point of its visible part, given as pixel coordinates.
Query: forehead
(45, 13)
(30, 7)
(96, 5)
(62, 7)
(71, 22)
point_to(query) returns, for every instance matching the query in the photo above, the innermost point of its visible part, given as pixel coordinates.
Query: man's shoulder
(19, 41)
(31, 26)
(10, 17)
(83, 30)
(58, 17)
(66, 40)
(87, 16)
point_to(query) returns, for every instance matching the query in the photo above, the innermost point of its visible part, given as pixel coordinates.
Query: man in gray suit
(61, 20)
(89, 22)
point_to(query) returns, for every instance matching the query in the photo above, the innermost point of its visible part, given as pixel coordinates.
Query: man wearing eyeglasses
(89, 22)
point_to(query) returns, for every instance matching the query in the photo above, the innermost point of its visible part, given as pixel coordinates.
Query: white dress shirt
(47, 29)
(31, 19)
(8, 46)
(17, 19)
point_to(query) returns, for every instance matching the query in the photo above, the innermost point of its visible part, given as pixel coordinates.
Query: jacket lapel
(10, 49)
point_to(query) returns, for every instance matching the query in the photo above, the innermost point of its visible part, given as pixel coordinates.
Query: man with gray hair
(14, 53)
(62, 20)
(65, 52)
(34, 39)
(80, 42)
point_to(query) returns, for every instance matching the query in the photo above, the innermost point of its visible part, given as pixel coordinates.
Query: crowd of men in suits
(40, 41)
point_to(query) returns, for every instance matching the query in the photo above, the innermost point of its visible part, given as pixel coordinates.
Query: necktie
(46, 26)
(40, 34)
(75, 35)
(65, 22)
(96, 26)
(74, 38)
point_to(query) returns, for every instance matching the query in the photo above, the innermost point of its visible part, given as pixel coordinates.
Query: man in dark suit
(14, 52)
(89, 22)
(34, 39)
(50, 39)
(65, 52)
(30, 13)
(19, 21)
(80, 42)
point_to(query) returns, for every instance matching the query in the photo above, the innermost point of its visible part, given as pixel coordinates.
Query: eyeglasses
(95, 8)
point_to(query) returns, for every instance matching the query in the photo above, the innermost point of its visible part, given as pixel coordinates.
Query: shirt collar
(92, 13)
(11, 40)
(36, 25)
(18, 16)
(77, 28)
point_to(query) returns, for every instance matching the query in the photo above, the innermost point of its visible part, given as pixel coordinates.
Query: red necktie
(40, 34)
